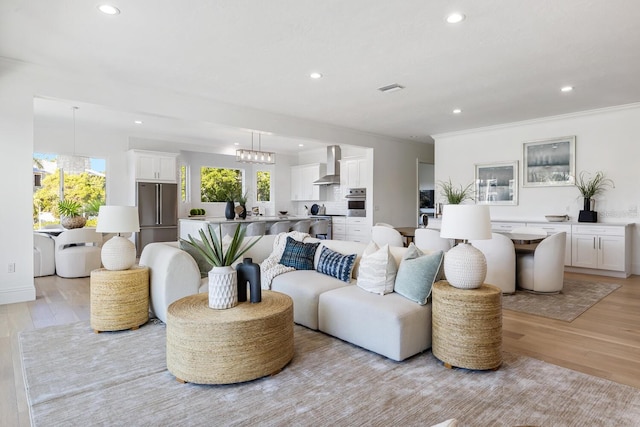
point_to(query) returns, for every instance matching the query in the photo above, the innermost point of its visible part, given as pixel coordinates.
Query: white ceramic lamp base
(118, 253)
(465, 266)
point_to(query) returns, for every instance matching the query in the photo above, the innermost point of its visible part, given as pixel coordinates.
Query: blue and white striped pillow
(336, 264)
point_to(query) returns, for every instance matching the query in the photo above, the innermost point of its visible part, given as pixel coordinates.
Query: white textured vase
(223, 287)
(465, 267)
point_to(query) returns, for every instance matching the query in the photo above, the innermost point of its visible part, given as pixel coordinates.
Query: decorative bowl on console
(556, 218)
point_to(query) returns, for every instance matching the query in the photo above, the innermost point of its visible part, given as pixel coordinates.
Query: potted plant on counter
(223, 279)
(70, 215)
(589, 187)
(455, 195)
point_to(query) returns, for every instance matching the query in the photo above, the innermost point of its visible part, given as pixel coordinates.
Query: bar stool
(320, 229)
(280, 227)
(255, 229)
(301, 226)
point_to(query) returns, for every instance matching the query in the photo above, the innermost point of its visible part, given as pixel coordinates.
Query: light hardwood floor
(604, 341)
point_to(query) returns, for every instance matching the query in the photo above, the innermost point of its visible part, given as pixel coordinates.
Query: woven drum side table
(119, 298)
(248, 341)
(467, 326)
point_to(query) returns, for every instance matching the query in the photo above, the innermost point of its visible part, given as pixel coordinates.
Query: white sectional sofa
(390, 325)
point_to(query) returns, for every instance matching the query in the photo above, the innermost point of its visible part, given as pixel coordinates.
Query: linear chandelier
(256, 156)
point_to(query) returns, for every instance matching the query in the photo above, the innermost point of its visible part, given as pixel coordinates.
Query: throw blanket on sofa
(271, 267)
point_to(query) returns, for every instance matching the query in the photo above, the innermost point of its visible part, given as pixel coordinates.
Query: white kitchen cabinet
(302, 178)
(358, 229)
(601, 247)
(339, 228)
(354, 173)
(154, 166)
(552, 228)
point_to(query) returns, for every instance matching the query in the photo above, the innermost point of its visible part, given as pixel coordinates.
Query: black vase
(249, 272)
(587, 204)
(230, 210)
(243, 214)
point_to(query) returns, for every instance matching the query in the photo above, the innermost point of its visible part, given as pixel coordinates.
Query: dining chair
(77, 252)
(255, 229)
(302, 226)
(384, 224)
(430, 239)
(501, 261)
(279, 227)
(382, 235)
(44, 263)
(542, 271)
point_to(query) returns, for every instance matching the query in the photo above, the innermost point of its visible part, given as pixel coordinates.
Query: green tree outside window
(220, 184)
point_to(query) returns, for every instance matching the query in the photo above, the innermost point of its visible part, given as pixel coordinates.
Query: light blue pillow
(416, 274)
(336, 264)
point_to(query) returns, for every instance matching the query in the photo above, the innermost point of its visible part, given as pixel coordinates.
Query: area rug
(577, 296)
(74, 377)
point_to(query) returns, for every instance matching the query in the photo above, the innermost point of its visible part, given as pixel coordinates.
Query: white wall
(606, 140)
(394, 183)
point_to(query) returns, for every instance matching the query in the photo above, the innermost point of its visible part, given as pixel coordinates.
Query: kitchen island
(190, 226)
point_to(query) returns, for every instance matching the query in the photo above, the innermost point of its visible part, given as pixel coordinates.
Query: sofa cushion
(416, 274)
(378, 269)
(298, 255)
(336, 264)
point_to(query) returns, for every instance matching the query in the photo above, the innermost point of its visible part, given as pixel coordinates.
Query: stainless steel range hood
(333, 167)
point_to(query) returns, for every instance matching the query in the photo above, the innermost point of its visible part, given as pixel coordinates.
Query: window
(220, 184)
(184, 184)
(263, 185)
(67, 177)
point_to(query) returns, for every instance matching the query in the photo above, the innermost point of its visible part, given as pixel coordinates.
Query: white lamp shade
(466, 222)
(118, 219)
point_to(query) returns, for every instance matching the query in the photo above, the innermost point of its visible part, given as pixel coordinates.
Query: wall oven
(356, 202)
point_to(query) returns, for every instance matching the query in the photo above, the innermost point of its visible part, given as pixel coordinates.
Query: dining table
(409, 233)
(525, 242)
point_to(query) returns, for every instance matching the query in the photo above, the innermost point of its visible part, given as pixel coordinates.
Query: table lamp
(118, 253)
(465, 267)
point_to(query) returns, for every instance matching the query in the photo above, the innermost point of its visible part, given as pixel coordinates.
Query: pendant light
(256, 156)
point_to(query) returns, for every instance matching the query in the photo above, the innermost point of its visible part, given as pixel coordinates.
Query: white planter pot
(223, 287)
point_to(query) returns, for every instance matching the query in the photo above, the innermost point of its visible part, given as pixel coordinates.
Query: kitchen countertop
(221, 219)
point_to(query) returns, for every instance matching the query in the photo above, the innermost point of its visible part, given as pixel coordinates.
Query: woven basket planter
(70, 222)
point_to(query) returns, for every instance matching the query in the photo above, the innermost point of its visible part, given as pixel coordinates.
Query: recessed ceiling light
(300, 145)
(566, 88)
(138, 122)
(236, 143)
(455, 18)
(390, 88)
(457, 111)
(315, 75)
(108, 9)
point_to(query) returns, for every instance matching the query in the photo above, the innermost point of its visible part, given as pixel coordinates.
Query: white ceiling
(506, 62)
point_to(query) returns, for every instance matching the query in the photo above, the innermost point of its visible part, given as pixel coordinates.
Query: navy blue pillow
(336, 264)
(299, 255)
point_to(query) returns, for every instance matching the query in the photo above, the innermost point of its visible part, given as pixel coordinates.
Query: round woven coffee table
(119, 298)
(248, 341)
(467, 326)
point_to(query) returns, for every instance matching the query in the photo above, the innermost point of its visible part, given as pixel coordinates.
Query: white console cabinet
(602, 247)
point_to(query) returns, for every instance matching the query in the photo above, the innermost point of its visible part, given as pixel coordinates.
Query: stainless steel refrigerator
(158, 213)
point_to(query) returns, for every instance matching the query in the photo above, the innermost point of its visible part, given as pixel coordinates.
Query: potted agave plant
(70, 215)
(223, 279)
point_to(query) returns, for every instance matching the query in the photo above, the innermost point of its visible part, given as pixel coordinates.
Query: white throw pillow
(377, 272)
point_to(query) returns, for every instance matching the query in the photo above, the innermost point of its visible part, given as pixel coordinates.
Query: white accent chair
(77, 252)
(302, 226)
(383, 235)
(542, 271)
(44, 263)
(430, 239)
(255, 229)
(501, 261)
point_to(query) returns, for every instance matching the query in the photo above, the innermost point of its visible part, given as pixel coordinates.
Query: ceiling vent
(391, 88)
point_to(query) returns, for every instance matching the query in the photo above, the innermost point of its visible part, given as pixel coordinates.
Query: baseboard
(608, 273)
(14, 295)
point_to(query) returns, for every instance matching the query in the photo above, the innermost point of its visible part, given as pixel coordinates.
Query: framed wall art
(497, 184)
(549, 162)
